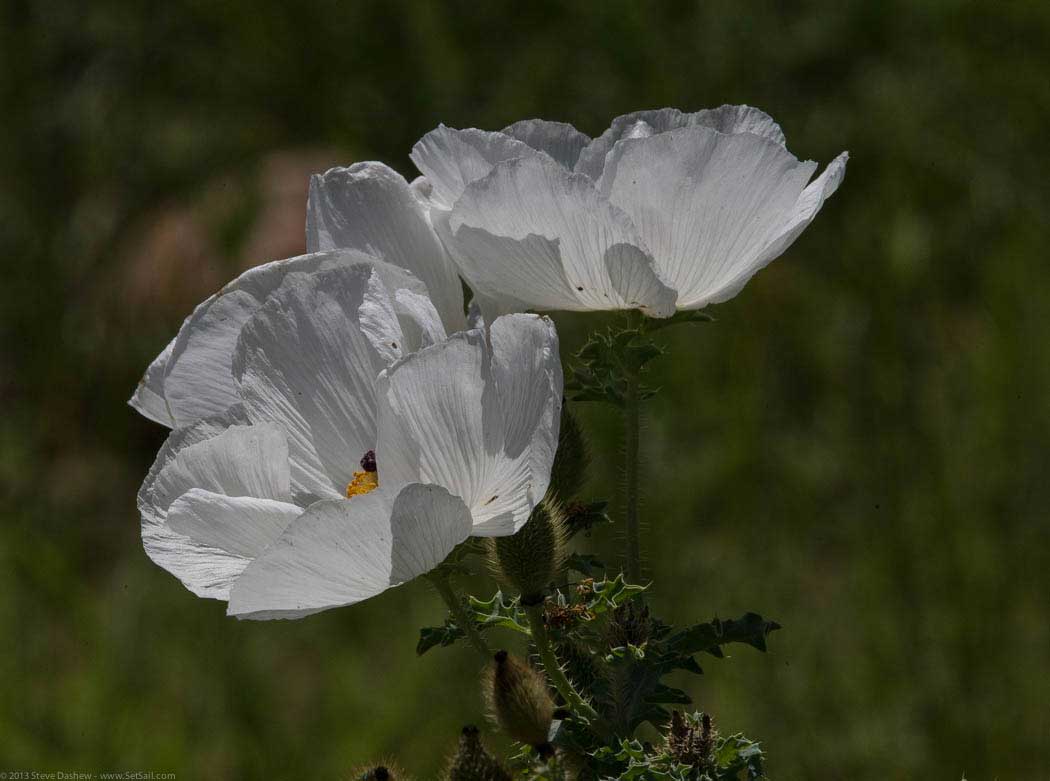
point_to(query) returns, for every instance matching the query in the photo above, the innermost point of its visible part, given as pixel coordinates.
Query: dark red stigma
(368, 461)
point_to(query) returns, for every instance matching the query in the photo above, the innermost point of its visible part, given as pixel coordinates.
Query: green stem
(444, 587)
(550, 663)
(631, 416)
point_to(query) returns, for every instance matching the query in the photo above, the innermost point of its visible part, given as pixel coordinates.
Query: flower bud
(630, 624)
(691, 739)
(531, 559)
(473, 762)
(383, 772)
(569, 471)
(520, 701)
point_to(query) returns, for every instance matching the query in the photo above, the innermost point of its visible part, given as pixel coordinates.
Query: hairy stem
(631, 416)
(565, 688)
(444, 587)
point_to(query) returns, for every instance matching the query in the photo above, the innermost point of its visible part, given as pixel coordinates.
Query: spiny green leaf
(587, 564)
(432, 636)
(678, 318)
(750, 628)
(498, 612)
(582, 517)
(610, 594)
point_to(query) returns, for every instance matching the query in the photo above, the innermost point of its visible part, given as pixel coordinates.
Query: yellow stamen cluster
(363, 483)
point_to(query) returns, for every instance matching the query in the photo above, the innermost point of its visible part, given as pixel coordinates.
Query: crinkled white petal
(344, 551)
(242, 460)
(198, 381)
(222, 455)
(482, 424)
(308, 360)
(805, 209)
(707, 204)
(727, 119)
(451, 159)
(371, 208)
(215, 536)
(244, 526)
(526, 369)
(560, 140)
(532, 232)
(148, 399)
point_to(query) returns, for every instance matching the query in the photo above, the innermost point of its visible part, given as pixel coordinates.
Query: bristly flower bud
(571, 461)
(691, 739)
(473, 762)
(379, 772)
(531, 559)
(630, 624)
(520, 702)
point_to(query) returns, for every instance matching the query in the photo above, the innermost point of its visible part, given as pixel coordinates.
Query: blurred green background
(859, 447)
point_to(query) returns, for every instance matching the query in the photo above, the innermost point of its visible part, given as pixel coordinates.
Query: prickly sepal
(569, 471)
(473, 762)
(519, 701)
(531, 559)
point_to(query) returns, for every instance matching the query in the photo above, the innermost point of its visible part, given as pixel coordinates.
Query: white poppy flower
(663, 211)
(351, 403)
(369, 212)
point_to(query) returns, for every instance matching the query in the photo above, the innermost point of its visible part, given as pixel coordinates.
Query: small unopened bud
(520, 701)
(379, 772)
(691, 739)
(573, 457)
(531, 559)
(630, 624)
(473, 762)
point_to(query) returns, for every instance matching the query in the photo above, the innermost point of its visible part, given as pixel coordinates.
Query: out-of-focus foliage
(858, 446)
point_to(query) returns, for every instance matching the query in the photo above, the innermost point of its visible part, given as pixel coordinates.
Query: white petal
(805, 209)
(340, 552)
(426, 523)
(527, 371)
(421, 325)
(221, 455)
(560, 140)
(148, 398)
(308, 359)
(437, 413)
(451, 159)
(705, 203)
(198, 381)
(727, 119)
(532, 232)
(370, 207)
(483, 427)
(242, 460)
(242, 525)
(214, 537)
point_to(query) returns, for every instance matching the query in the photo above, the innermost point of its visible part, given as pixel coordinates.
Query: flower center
(365, 480)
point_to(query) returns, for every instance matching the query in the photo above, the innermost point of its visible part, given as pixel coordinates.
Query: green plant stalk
(631, 417)
(557, 676)
(444, 587)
